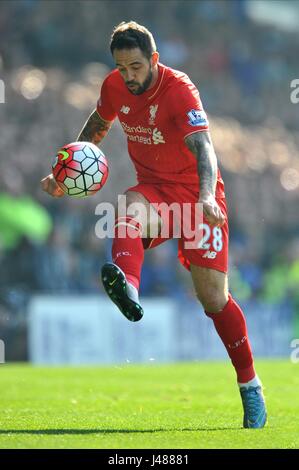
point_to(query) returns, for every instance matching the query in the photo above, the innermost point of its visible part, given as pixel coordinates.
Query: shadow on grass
(110, 431)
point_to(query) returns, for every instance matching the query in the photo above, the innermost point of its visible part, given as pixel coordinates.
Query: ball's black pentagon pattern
(75, 192)
(87, 163)
(93, 169)
(97, 178)
(80, 182)
(89, 181)
(69, 182)
(89, 153)
(79, 155)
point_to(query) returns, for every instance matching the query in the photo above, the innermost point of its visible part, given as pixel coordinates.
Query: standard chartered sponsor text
(136, 129)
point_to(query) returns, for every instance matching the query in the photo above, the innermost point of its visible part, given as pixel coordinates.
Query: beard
(144, 86)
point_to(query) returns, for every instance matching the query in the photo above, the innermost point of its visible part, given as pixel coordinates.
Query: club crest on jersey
(153, 111)
(125, 109)
(197, 118)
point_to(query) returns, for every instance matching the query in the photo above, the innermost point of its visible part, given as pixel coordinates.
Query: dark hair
(129, 35)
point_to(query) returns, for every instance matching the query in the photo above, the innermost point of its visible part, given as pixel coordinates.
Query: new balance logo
(210, 254)
(158, 137)
(125, 109)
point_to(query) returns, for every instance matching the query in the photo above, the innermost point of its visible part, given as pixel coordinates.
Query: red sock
(127, 248)
(231, 326)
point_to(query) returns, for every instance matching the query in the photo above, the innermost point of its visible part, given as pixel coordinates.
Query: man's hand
(211, 210)
(50, 186)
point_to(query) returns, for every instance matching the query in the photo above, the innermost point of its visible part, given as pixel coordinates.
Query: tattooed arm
(200, 144)
(94, 130)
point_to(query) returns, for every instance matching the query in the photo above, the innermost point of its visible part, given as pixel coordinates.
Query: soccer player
(170, 145)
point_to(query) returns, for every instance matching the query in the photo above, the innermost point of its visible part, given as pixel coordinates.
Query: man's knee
(213, 300)
(211, 287)
(132, 205)
(135, 205)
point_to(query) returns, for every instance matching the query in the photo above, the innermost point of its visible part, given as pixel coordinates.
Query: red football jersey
(156, 123)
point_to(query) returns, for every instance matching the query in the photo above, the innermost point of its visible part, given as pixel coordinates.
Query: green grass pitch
(186, 405)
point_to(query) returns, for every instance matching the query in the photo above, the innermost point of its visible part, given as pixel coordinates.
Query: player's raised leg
(211, 288)
(121, 278)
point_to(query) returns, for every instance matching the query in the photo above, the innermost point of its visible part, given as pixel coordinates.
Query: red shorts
(211, 247)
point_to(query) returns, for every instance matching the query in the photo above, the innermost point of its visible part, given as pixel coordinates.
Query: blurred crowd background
(243, 56)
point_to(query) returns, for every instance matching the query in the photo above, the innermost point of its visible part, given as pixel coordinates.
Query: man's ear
(155, 58)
